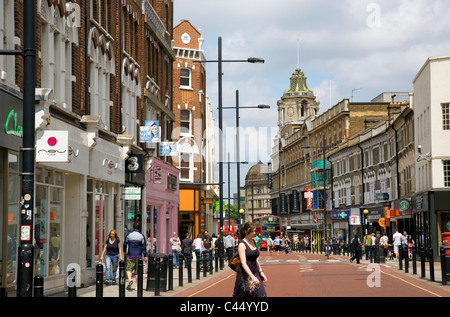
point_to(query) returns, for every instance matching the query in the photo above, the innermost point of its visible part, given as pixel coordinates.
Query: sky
(353, 49)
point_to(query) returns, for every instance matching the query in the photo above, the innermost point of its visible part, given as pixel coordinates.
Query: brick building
(193, 131)
(99, 82)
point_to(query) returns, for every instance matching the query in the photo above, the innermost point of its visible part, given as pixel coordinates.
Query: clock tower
(298, 102)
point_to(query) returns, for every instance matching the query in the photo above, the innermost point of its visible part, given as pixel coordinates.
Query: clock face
(185, 38)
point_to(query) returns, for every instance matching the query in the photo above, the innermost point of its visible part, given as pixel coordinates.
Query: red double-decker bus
(226, 227)
(267, 226)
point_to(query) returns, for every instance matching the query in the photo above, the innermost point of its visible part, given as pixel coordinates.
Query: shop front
(11, 111)
(162, 200)
(340, 220)
(431, 212)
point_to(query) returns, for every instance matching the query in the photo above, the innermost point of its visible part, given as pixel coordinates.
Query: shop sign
(134, 164)
(11, 125)
(403, 205)
(354, 220)
(132, 193)
(52, 146)
(340, 214)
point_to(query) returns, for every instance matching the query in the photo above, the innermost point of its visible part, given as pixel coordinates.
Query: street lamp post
(238, 168)
(220, 74)
(324, 191)
(26, 250)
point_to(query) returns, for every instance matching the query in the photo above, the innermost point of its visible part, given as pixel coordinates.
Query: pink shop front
(162, 199)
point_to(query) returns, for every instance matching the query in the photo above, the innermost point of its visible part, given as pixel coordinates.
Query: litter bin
(163, 260)
(446, 240)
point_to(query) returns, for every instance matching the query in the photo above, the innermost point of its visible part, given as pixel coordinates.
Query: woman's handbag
(235, 262)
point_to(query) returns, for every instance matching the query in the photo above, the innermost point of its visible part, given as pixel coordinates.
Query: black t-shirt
(112, 249)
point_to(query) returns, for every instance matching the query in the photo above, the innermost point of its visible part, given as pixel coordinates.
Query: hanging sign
(52, 146)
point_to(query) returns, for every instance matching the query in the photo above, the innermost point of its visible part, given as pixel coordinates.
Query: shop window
(48, 223)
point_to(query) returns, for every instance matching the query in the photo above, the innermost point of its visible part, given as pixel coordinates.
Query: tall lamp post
(238, 168)
(229, 190)
(25, 251)
(219, 62)
(324, 191)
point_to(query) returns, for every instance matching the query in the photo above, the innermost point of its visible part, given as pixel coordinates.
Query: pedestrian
(258, 240)
(198, 246)
(207, 243)
(229, 246)
(367, 242)
(286, 244)
(397, 237)
(176, 249)
(384, 243)
(186, 249)
(355, 245)
(277, 244)
(410, 243)
(327, 248)
(134, 247)
(113, 251)
(269, 245)
(250, 277)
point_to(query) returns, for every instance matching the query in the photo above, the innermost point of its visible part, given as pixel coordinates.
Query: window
(446, 173)
(446, 116)
(185, 122)
(185, 77)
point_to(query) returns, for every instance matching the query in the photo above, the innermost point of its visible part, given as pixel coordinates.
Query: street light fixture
(324, 192)
(219, 62)
(238, 169)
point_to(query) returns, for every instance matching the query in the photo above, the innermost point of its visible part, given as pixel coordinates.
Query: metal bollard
(406, 262)
(422, 261)
(170, 266)
(72, 288)
(197, 266)
(400, 257)
(205, 262)
(122, 278)
(430, 253)
(414, 259)
(217, 262)
(99, 281)
(443, 267)
(189, 267)
(38, 286)
(157, 276)
(140, 278)
(210, 262)
(180, 271)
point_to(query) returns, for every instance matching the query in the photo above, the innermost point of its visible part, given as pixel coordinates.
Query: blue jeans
(114, 260)
(175, 258)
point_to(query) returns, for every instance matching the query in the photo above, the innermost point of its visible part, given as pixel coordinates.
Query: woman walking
(249, 277)
(113, 250)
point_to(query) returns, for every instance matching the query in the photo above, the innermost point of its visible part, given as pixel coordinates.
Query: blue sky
(373, 46)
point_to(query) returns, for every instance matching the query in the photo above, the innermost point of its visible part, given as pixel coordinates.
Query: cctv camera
(419, 148)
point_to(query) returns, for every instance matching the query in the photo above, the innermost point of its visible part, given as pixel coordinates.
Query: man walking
(134, 247)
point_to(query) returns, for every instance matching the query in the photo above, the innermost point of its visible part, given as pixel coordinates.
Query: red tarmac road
(312, 275)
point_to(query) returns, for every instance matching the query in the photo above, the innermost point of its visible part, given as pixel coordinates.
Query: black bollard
(189, 267)
(400, 257)
(170, 264)
(414, 259)
(216, 258)
(140, 278)
(422, 261)
(157, 276)
(180, 271)
(430, 254)
(197, 266)
(99, 281)
(122, 278)
(406, 261)
(71, 287)
(38, 286)
(443, 267)
(205, 262)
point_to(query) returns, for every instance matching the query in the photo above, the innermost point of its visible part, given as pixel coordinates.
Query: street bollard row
(155, 280)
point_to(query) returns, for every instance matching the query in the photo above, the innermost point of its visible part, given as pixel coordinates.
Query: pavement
(113, 290)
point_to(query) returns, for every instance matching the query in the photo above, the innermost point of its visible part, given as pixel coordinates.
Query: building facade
(98, 83)
(257, 192)
(193, 131)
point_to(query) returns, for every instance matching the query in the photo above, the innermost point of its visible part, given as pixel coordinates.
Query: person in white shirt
(397, 237)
